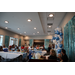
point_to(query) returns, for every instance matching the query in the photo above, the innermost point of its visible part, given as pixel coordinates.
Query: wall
(11, 34)
(66, 19)
(38, 37)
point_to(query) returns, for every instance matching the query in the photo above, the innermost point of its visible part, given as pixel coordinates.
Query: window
(13, 41)
(1, 40)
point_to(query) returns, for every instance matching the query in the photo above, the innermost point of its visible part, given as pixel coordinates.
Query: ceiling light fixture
(29, 20)
(51, 15)
(34, 28)
(6, 27)
(49, 26)
(24, 32)
(6, 21)
(18, 28)
(33, 33)
(37, 32)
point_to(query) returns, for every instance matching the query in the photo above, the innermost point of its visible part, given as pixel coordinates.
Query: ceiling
(39, 20)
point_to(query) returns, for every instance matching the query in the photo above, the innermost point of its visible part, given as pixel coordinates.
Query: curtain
(6, 41)
(69, 39)
(19, 42)
(46, 43)
(31, 42)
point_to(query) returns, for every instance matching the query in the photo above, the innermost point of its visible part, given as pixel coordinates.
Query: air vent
(49, 23)
(50, 18)
(48, 31)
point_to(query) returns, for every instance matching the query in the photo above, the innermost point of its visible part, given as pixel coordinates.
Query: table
(40, 51)
(37, 54)
(10, 55)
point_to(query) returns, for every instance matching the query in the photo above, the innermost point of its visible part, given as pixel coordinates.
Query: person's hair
(63, 51)
(53, 52)
(3, 45)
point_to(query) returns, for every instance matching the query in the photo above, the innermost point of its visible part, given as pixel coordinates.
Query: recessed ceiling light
(33, 33)
(49, 26)
(6, 21)
(6, 27)
(37, 32)
(18, 28)
(29, 20)
(51, 15)
(24, 32)
(34, 28)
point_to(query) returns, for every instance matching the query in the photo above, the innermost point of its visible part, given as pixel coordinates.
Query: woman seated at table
(37, 47)
(51, 56)
(22, 47)
(1, 49)
(9, 48)
(4, 47)
(13, 47)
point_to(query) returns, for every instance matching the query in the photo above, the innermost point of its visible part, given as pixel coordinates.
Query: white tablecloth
(41, 52)
(10, 55)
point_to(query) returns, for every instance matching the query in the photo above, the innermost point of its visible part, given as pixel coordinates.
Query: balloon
(59, 50)
(53, 41)
(55, 32)
(60, 39)
(60, 45)
(54, 38)
(56, 46)
(61, 34)
(57, 38)
(58, 32)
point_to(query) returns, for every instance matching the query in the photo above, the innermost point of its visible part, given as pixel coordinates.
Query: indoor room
(37, 36)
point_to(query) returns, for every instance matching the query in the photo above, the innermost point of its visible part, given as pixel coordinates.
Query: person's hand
(59, 55)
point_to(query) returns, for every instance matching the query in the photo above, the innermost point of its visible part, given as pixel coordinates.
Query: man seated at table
(4, 47)
(1, 48)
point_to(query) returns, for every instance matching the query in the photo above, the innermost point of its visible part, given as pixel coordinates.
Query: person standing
(49, 48)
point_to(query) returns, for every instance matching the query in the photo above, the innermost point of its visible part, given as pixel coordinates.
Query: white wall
(66, 19)
(11, 34)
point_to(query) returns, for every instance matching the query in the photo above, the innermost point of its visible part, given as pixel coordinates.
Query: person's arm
(60, 57)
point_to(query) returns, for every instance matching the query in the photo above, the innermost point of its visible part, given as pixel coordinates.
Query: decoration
(57, 38)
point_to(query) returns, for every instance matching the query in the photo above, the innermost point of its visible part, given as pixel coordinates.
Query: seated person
(43, 48)
(16, 49)
(1, 48)
(51, 56)
(64, 57)
(4, 47)
(13, 47)
(37, 47)
(9, 48)
(49, 48)
(22, 47)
